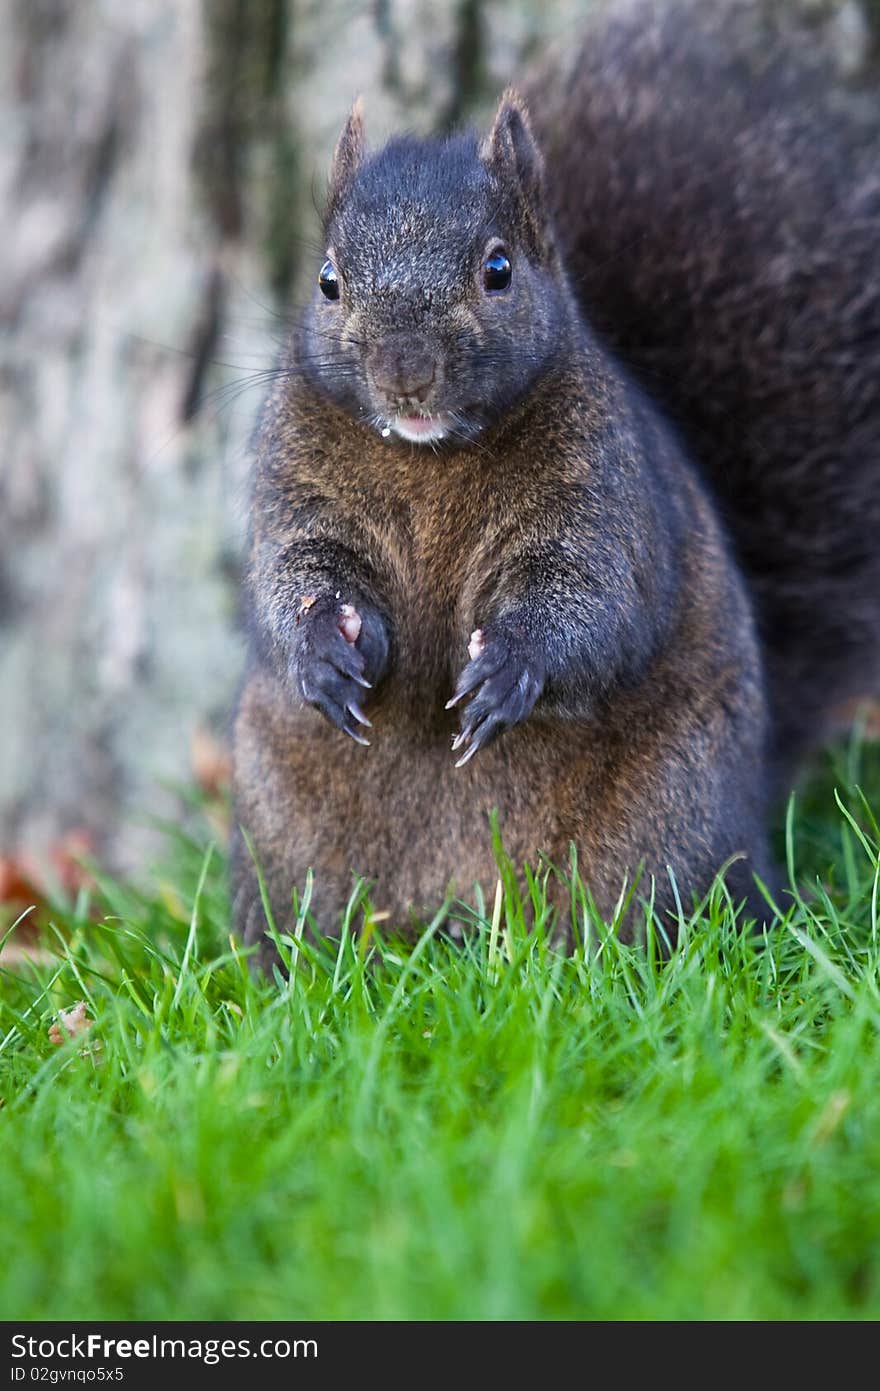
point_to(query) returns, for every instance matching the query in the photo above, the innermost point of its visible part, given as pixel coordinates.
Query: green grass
(493, 1130)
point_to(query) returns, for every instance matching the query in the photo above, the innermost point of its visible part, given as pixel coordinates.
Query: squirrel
(566, 499)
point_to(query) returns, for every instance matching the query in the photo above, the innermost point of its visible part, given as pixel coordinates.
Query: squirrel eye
(329, 280)
(497, 271)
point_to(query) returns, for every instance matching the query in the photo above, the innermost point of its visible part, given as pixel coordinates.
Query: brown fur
(631, 787)
(619, 699)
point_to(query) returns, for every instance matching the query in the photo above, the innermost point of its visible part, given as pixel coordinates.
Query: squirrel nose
(403, 367)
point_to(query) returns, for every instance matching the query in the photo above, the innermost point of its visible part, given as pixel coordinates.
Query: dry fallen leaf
(71, 1023)
(211, 762)
(27, 880)
(28, 884)
(21, 899)
(17, 887)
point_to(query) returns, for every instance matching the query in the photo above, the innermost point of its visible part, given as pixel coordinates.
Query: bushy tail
(717, 193)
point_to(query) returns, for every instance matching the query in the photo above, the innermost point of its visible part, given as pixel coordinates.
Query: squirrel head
(440, 300)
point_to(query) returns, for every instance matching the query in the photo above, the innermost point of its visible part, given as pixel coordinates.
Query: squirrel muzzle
(403, 370)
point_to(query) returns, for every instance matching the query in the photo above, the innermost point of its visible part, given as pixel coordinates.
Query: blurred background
(161, 164)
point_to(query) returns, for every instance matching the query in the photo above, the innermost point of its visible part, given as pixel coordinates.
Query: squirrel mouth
(419, 429)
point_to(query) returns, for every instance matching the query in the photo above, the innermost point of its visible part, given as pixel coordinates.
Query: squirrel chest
(433, 527)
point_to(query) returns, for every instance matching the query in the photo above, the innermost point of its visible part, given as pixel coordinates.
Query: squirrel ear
(510, 149)
(351, 148)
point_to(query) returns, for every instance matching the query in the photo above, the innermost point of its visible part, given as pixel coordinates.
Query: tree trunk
(158, 177)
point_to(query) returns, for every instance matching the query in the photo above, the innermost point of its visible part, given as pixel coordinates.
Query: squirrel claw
(503, 681)
(460, 762)
(465, 687)
(354, 709)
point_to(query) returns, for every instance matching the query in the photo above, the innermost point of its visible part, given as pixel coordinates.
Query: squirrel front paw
(339, 652)
(504, 678)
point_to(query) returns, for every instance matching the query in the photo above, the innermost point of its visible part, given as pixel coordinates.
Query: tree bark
(159, 174)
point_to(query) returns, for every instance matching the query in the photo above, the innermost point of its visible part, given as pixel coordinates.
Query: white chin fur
(420, 429)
